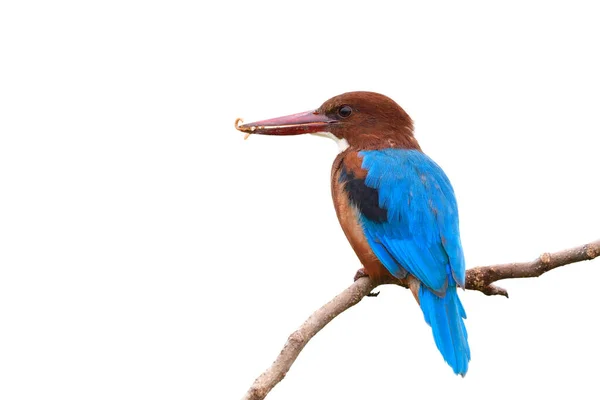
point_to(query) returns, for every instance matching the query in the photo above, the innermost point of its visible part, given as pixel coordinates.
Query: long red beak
(295, 124)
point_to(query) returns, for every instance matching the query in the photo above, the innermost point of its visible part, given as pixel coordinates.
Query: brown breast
(348, 216)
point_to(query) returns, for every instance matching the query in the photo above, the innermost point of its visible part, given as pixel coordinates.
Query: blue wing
(420, 232)
(408, 213)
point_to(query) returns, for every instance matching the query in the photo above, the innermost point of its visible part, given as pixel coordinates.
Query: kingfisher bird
(395, 205)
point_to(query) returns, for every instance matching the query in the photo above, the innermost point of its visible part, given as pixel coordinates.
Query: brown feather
(348, 216)
(376, 121)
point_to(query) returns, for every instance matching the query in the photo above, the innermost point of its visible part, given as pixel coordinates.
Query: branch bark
(480, 278)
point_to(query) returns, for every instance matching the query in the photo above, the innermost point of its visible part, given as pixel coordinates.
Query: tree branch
(482, 278)
(479, 278)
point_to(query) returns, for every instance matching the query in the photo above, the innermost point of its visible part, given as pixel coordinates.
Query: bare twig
(480, 278)
(297, 340)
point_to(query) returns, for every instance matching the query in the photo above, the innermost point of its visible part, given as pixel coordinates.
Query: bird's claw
(361, 273)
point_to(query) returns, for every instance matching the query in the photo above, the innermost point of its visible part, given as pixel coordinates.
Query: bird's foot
(361, 273)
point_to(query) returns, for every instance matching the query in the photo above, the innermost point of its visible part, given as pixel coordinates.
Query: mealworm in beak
(238, 122)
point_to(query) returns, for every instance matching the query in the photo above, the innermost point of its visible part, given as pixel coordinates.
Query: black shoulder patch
(366, 199)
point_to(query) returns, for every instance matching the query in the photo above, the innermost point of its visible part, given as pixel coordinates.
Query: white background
(148, 252)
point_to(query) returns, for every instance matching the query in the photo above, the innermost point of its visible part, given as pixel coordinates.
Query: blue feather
(421, 230)
(445, 316)
(420, 236)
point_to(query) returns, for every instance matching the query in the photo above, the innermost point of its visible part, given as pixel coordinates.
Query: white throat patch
(342, 143)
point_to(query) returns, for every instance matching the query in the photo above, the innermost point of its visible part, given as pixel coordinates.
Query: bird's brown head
(361, 120)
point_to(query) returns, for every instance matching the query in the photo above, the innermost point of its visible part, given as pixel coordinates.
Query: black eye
(345, 111)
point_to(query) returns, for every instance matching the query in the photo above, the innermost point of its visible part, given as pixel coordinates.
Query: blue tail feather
(445, 316)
